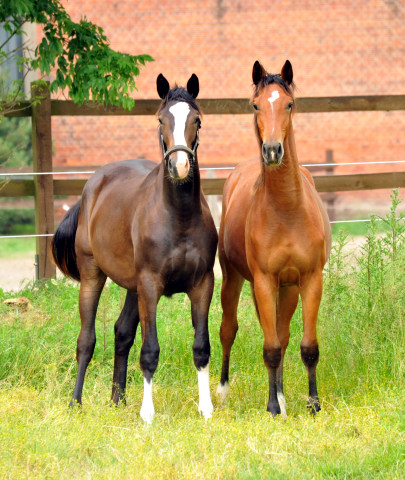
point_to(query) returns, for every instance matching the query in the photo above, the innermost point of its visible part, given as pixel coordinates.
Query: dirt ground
(16, 272)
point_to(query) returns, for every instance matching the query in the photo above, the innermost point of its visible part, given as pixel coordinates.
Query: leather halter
(177, 148)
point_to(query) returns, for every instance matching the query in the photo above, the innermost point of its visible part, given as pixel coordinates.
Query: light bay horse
(275, 233)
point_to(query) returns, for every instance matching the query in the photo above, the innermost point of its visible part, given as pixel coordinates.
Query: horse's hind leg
(311, 293)
(125, 330)
(230, 293)
(286, 305)
(92, 281)
(200, 298)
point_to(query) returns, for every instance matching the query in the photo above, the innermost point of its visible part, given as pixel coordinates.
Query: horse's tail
(63, 244)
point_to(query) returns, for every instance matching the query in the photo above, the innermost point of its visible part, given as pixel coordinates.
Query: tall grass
(359, 432)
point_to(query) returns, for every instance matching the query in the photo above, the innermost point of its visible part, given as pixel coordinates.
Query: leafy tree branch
(78, 53)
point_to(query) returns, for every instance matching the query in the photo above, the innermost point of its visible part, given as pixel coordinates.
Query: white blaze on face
(205, 405)
(147, 410)
(180, 113)
(274, 96)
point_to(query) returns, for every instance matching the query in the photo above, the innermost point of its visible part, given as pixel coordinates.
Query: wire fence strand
(90, 172)
(331, 222)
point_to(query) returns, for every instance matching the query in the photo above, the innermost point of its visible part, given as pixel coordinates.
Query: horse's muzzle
(178, 165)
(272, 153)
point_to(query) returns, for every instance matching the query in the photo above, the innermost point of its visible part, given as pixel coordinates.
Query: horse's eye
(255, 106)
(198, 122)
(290, 105)
(160, 121)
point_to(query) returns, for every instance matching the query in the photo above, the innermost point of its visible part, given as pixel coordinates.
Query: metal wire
(204, 168)
(346, 164)
(332, 221)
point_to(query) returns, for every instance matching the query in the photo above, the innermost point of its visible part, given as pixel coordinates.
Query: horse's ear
(258, 72)
(287, 72)
(163, 86)
(193, 86)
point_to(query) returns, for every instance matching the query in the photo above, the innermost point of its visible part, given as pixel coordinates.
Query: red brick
(336, 48)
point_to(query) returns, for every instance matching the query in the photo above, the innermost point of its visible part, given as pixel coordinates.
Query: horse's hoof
(313, 406)
(206, 409)
(118, 403)
(118, 400)
(222, 391)
(75, 403)
(147, 413)
(274, 408)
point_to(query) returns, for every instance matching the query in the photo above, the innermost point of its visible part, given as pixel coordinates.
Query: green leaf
(78, 53)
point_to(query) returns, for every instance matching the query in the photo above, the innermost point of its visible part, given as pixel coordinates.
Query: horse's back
(110, 199)
(124, 170)
(117, 176)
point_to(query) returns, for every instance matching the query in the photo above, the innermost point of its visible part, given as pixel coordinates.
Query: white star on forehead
(274, 96)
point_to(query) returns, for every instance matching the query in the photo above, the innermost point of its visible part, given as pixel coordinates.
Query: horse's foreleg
(265, 294)
(148, 297)
(286, 305)
(230, 293)
(200, 297)
(125, 330)
(311, 293)
(90, 291)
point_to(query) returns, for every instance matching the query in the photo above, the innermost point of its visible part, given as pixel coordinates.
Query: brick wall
(336, 48)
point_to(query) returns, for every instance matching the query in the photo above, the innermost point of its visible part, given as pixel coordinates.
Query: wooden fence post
(43, 184)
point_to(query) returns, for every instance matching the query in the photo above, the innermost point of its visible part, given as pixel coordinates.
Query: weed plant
(359, 432)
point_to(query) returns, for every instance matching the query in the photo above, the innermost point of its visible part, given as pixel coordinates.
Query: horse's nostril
(272, 152)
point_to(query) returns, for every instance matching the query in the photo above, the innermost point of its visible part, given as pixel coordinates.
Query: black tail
(63, 244)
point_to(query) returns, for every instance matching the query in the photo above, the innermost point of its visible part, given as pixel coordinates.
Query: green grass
(353, 229)
(358, 434)
(15, 247)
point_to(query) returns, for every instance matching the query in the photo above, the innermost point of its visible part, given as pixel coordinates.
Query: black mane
(270, 78)
(179, 94)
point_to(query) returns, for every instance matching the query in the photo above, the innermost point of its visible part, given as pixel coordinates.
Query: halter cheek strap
(178, 148)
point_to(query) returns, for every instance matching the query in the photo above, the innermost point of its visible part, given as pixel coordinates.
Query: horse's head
(179, 118)
(273, 102)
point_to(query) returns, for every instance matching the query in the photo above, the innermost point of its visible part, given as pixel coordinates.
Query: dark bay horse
(275, 233)
(147, 226)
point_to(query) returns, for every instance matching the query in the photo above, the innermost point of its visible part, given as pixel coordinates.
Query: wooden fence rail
(44, 187)
(214, 186)
(224, 106)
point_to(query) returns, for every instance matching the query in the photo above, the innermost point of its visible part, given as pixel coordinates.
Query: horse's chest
(182, 269)
(287, 253)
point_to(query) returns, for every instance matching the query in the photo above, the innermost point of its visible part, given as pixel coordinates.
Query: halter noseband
(179, 148)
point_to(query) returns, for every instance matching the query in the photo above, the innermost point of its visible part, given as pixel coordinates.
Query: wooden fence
(44, 187)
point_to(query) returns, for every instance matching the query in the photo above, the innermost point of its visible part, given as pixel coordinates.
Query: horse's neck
(183, 199)
(284, 183)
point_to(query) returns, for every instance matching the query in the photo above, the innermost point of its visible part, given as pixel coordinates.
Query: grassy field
(358, 434)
